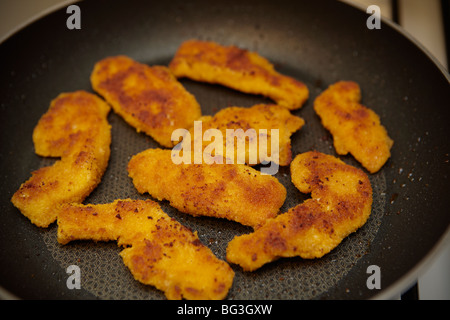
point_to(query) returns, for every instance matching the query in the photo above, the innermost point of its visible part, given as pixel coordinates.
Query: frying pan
(317, 42)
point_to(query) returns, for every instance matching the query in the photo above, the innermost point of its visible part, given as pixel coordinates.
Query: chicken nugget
(355, 128)
(75, 128)
(231, 191)
(341, 202)
(238, 69)
(261, 119)
(159, 251)
(150, 99)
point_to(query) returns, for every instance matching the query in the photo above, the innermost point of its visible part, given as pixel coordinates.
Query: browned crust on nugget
(76, 129)
(239, 69)
(231, 191)
(341, 200)
(355, 128)
(148, 98)
(159, 251)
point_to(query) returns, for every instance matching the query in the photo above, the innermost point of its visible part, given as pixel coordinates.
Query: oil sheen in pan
(105, 276)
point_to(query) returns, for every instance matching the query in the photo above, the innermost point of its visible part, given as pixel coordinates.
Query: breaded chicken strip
(230, 191)
(341, 200)
(76, 129)
(355, 128)
(237, 69)
(148, 98)
(159, 251)
(262, 119)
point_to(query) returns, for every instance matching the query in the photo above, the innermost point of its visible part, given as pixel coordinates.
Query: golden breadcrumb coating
(76, 129)
(355, 128)
(159, 251)
(262, 119)
(238, 69)
(148, 98)
(231, 191)
(341, 201)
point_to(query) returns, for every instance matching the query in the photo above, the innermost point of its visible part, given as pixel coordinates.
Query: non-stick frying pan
(317, 42)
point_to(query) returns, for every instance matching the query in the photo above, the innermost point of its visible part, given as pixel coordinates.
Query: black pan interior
(318, 42)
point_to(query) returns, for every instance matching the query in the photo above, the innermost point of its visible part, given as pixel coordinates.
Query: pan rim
(36, 17)
(408, 36)
(407, 281)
